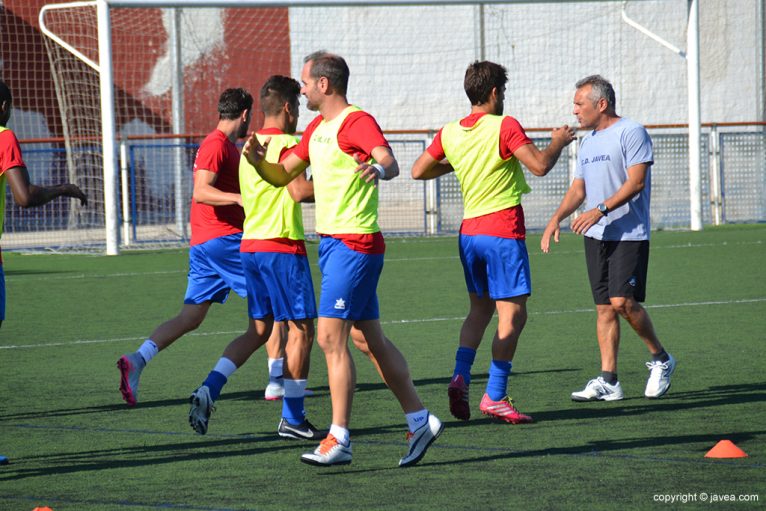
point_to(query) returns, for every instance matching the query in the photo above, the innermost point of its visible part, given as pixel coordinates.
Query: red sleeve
(210, 155)
(10, 152)
(512, 136)
(435, 149)
(302, 149)
(284, 152)
(360, 134)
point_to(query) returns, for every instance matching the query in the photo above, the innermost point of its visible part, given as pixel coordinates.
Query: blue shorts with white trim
(279, 285)
(494, 265)
(349, 281)
(215, 268)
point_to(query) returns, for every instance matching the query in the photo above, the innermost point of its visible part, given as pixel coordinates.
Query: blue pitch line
(164, 505)
(438, 446)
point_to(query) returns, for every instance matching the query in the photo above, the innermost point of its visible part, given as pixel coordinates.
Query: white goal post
(103, 63)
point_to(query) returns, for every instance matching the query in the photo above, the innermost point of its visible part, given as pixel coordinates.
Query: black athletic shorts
(617, 269)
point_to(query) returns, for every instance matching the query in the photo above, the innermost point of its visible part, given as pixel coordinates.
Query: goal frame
(104, 68)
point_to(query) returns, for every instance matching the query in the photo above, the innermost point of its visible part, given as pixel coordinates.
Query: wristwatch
(602, 209)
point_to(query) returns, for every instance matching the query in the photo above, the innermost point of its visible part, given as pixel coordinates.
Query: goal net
(407, 65)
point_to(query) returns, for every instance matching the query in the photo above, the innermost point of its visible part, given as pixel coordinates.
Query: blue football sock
(497, 385)
(292, 410)
(215, 382)
(292, 402)
(463, 362)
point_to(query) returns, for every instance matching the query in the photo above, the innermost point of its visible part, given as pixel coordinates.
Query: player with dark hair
(13, 171)
(217, 216)
(613, 177)
(274, 95)
(273, 254)
(484, 150)
(348, 155)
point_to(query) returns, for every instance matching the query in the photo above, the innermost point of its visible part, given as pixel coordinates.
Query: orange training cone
(726, 449)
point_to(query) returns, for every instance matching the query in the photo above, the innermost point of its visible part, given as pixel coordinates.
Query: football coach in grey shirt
(613, 178)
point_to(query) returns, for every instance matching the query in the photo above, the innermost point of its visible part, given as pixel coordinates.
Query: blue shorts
(497, 265)
(215, 268)
(349, 281)
(279, 285)
(2, 293)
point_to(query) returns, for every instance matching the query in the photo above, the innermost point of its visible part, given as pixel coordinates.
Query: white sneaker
(329, 452)
(599, 390)
(200, 410)
(420, 440)
(274, 391)
(659, 377)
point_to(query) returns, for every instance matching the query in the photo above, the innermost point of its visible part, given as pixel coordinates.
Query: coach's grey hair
(332, 67)
(600, 88)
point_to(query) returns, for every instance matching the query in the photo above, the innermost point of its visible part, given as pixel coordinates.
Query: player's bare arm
(571, 201)
(301, 189)
(632, 186)
(28, 195)
(276, 174)
(427, 167)
(386, 167)
(540, 162)
(205, 191)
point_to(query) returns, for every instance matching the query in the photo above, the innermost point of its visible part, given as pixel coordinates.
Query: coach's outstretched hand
(552, 229)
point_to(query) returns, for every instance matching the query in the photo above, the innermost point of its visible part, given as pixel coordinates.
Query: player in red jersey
(485, 150)
(348, 154)
(216, 217)
(14, 172)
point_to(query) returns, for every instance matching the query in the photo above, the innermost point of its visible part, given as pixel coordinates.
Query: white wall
(407, 63)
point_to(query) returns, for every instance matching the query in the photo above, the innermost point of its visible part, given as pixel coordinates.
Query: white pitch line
(391, 322)
(532, 253)
(83, 276)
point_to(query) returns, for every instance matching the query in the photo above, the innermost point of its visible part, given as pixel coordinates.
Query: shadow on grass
(607, 448)
(254, 395)
(149, 455)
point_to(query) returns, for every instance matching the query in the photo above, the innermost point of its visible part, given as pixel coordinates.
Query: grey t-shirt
(603, 161)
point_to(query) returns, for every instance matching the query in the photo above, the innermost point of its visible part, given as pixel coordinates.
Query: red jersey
(358, 135)
(10, 157)
(506, 223)
(10, 151)
(219, 155)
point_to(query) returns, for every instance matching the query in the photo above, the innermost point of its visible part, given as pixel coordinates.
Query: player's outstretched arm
(28, 195)
(276, 174)
(427, 167)
(571, 201)
(540, 162)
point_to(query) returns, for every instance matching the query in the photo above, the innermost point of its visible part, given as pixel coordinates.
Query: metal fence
(733, 160)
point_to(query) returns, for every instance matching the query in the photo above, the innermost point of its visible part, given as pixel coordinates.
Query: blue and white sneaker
(659, 377)
(130, 367)
(201, 408)
(421, 439)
